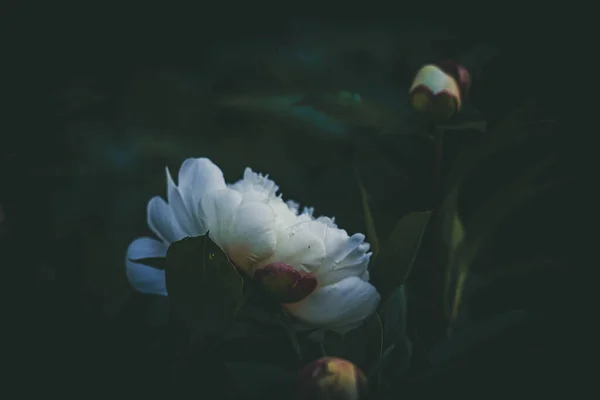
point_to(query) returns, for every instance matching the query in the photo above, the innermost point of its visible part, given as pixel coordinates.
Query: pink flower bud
(437, 91)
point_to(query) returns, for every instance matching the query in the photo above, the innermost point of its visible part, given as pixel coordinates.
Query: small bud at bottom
(332, 378)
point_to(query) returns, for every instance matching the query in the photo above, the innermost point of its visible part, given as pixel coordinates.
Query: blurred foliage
(329, 101)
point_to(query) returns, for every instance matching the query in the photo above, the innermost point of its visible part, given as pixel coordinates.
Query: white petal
(143, 278)
(218, 209)
(293, 206)
(299, 248)
(283, 211)
(181, 212)
(308, 211)
(255, 187)
(337, 273)
(197, 177)
(161, 220)
(330, 222)
(341, 306)
(338, 244)
(252, 236)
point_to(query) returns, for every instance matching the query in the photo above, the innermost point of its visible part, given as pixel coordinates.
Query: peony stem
(437, 170)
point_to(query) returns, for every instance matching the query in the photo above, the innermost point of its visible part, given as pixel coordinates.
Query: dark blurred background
(99, 100)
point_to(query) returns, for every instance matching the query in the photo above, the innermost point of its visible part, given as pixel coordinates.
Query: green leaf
(369, 221)
(490, 215)
(362, 345)
(396, 343)
(286, 322)
(484, 331)
(204, 288)
(510, 131)
(398, 254)
(478, 125)
(515, 269)
(353, 110)
(262, 381)
(344, 108)
(453, 234)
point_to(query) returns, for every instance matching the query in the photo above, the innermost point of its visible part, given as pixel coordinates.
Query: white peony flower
(256, 228)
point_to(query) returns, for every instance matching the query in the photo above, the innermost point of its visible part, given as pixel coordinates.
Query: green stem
(437, 170)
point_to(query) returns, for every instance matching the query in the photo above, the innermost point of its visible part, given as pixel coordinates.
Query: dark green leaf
(488, 276)
(369, 222)
(362, 345)
(262, 381)
(490, 215)
(286, 322)
(460, 342)
(204, 288)
(512, 130)
(398, 254)
(397, 347)
(352, 109)
(154, 262)
(452, 235)
(478, 125)
(395, 337)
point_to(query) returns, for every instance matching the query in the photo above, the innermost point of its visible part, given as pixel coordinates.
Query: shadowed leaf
(351, 109)
(362, 345)
(461, 342)
(452, 235)
(488, 218)
(286, 322)
(204, 288)
(369, 222)
(396, 344)
(398, 254)
(510, 131)
(262, 381)
(488, 276)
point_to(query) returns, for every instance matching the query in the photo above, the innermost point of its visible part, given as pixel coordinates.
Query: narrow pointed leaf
(398, 254)
(395, 338)
(369, 221)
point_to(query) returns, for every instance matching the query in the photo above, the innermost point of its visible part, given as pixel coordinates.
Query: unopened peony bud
(333, 379)
(437, 91)
(285, 284)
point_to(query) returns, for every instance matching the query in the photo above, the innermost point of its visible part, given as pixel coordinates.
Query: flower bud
(285, 284)
(333, 379)
(436, 92)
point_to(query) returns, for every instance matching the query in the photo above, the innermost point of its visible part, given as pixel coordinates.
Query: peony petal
(218, 209)
(339, 245)
(161, 220)
(299, 248)
(330, 222)
(341, 306)
(283, 211)
(337, 273)
(295, 207)
(341, 250)
(255, 187)
(252, 236)
(181, 212)
(143, 278)
(197, 177)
